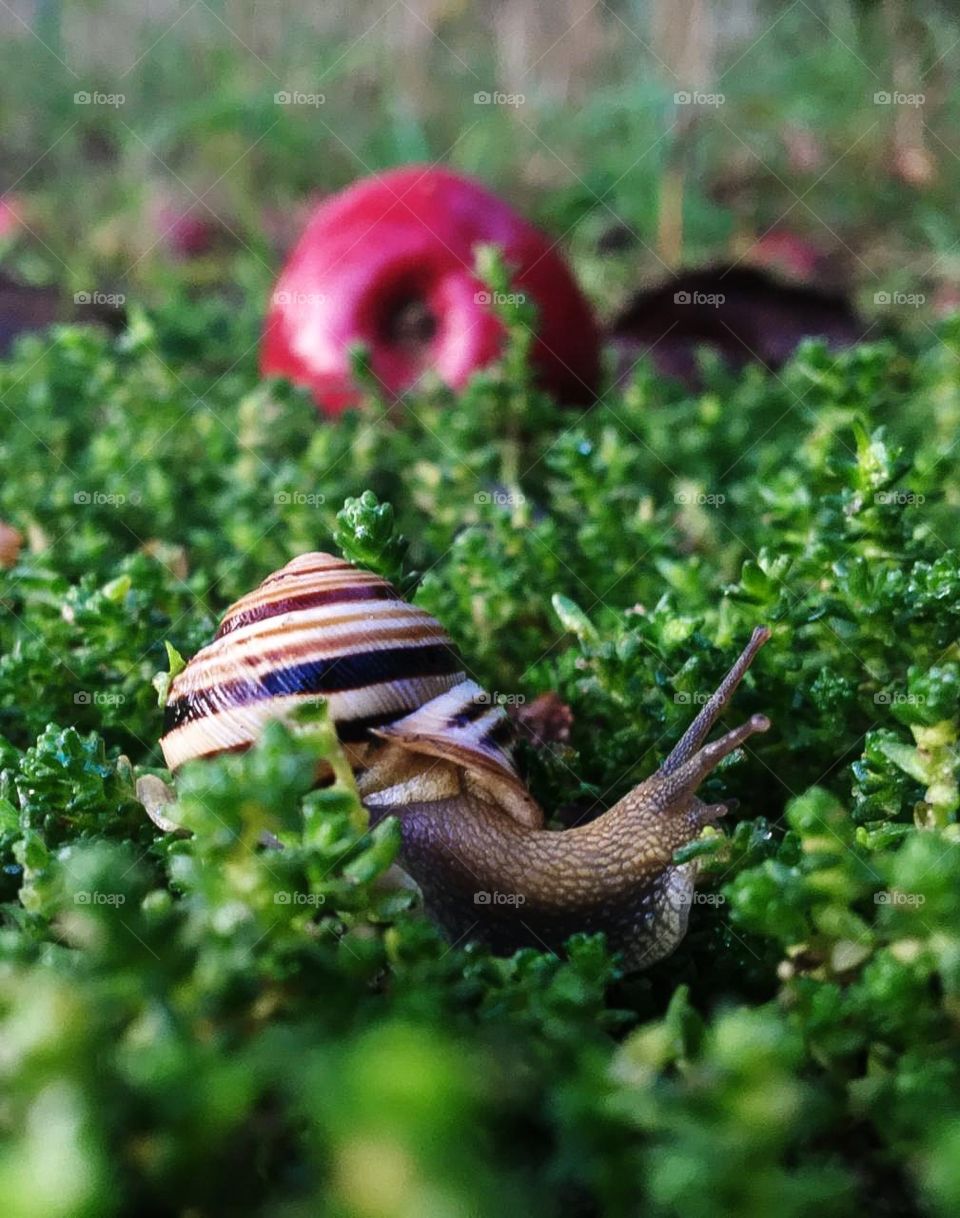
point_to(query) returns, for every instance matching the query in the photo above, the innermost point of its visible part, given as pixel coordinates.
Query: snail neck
(458, 837)
(485, 877)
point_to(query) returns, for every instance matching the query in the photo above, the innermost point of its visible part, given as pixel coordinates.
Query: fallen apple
(184, 232)
(389, 263)
(11, 220)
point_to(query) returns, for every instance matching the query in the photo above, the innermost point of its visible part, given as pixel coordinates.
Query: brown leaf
(544, 721)
(11, 541)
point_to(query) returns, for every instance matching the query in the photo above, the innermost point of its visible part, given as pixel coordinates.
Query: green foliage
(367, 536)
(200, 1021)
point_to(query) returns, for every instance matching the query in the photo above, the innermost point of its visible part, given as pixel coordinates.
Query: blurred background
(187, 140)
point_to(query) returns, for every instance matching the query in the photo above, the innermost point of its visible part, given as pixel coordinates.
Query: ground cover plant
(193, 1024)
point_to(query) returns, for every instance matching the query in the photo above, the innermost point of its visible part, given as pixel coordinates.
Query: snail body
(429, 746)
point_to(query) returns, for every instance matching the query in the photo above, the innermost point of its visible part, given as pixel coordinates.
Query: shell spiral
(317, 627)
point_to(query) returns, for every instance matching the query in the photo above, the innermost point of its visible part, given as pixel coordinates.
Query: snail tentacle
(697, 732)
(667, 789)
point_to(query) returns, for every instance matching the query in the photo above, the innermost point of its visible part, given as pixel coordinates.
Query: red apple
(389, 261)
(781, 250)
(184, 232)
(11, 220)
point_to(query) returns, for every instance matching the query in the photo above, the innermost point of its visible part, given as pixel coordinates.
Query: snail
(430, 747)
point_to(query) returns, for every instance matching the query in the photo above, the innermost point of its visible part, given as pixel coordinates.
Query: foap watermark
(96, 98)
(96, 897)
(92, 697)
(699, 499)
(310, 700)
(294, 97)
(482, 897)
(290, 897)
(106, 498)
(895, 896)
(894, 97)
(695, 697)
(500, 498)
(284, 297)
(300, 498)
(114, 300)
(898, 498)
(498, 699)
(500, 298)
(900, 300)
(898, 698)
(694, 897)
(712, 300)
(483, 98)
(695, 97)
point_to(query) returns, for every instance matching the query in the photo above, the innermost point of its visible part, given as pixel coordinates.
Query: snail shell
(320, 627)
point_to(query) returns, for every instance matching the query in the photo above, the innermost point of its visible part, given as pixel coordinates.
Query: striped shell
(388, 671)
